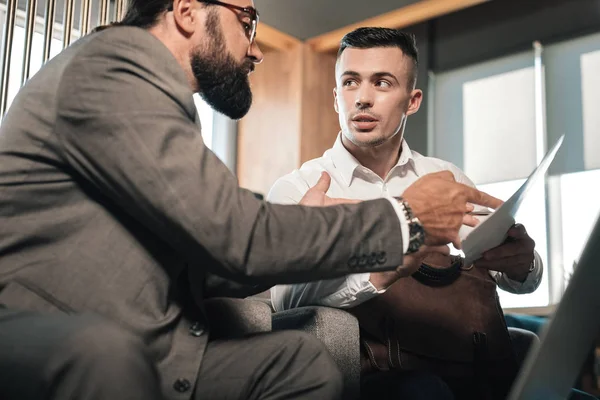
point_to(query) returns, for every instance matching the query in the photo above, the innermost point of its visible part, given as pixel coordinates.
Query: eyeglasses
(251, 12)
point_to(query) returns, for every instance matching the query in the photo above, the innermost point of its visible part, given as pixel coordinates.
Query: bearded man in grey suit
(116, 222)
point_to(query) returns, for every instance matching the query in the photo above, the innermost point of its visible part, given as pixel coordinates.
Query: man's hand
(442, 204)
(316, 195)
(513, 257)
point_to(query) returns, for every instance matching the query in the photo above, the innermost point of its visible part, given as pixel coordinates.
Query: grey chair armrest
(234, 318)
(338, 330)
(265, 300)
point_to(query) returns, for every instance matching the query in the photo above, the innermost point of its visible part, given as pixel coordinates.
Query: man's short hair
(371, 37)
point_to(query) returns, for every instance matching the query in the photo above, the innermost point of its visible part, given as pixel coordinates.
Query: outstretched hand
(316, 196)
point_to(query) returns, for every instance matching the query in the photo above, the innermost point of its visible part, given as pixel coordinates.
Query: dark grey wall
(499, 28)
(490, 30)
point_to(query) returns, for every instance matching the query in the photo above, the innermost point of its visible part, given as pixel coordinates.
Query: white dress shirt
(351, 180)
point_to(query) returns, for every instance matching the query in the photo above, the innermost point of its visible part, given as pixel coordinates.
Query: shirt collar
(346, 164)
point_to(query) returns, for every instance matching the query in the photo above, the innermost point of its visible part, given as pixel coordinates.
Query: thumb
(457, 242)
(323, 183)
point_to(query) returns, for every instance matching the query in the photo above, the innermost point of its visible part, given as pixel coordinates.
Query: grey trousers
(281, 365)
(63, 357)
(58, 357)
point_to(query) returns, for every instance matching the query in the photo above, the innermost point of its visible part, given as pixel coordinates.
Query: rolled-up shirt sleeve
(529, 285)
(338, 293)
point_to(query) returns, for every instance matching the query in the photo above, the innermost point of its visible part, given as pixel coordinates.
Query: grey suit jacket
(110, 203)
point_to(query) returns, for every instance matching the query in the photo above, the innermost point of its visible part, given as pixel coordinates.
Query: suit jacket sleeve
(125, 120)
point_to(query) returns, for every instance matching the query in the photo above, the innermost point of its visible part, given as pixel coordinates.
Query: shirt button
(196, 329)
(182, 385)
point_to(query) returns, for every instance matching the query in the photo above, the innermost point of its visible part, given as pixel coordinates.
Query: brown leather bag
(447, 321)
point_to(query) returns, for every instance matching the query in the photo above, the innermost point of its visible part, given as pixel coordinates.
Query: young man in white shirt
(375, 93)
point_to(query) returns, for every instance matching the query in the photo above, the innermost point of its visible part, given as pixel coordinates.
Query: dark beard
(223, 84)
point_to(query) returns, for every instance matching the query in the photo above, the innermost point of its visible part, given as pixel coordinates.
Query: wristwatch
(416, 233)
(531, 266)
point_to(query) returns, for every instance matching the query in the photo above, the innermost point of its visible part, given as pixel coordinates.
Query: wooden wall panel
(292, 118)
(269, 135)
(319, 124)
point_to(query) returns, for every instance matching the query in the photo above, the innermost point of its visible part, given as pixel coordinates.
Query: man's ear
(185, 15)
(335, 103)
(416, 96)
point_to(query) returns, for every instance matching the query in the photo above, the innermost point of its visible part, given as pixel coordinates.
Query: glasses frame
(251, 11)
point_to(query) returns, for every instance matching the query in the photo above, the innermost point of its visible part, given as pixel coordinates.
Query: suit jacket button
(182, 385)
(196, 329)
(372, 260)
(362, 261)
(353, 262)
(381, 257)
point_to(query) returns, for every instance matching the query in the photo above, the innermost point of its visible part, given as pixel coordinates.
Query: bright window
(580, 208)
(18, 46)
(206, 119)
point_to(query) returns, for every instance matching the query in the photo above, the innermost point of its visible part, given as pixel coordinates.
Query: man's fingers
(502, 264)
(470, 220)
(517, 231)
(323, 183)
(470, 207)
(446, 175)
(457, 242)
(481, 198)
(506, 250)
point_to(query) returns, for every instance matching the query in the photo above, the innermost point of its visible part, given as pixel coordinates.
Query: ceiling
(309, 18)
(302, 19)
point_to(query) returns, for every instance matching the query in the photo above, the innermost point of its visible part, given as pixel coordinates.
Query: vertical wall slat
(68, 22)
(30, 13)
(7, 42)
(86, 10)
(48, 28)
(104, 9)
(122, 9)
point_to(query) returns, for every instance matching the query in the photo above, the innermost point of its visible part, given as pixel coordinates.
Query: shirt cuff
(403, 223)
(529, 285)
(356, 290)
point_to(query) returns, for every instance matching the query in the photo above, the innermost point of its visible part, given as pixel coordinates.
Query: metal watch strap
(416, 232)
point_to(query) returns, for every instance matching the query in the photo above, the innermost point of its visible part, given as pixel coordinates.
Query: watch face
(417, 237)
